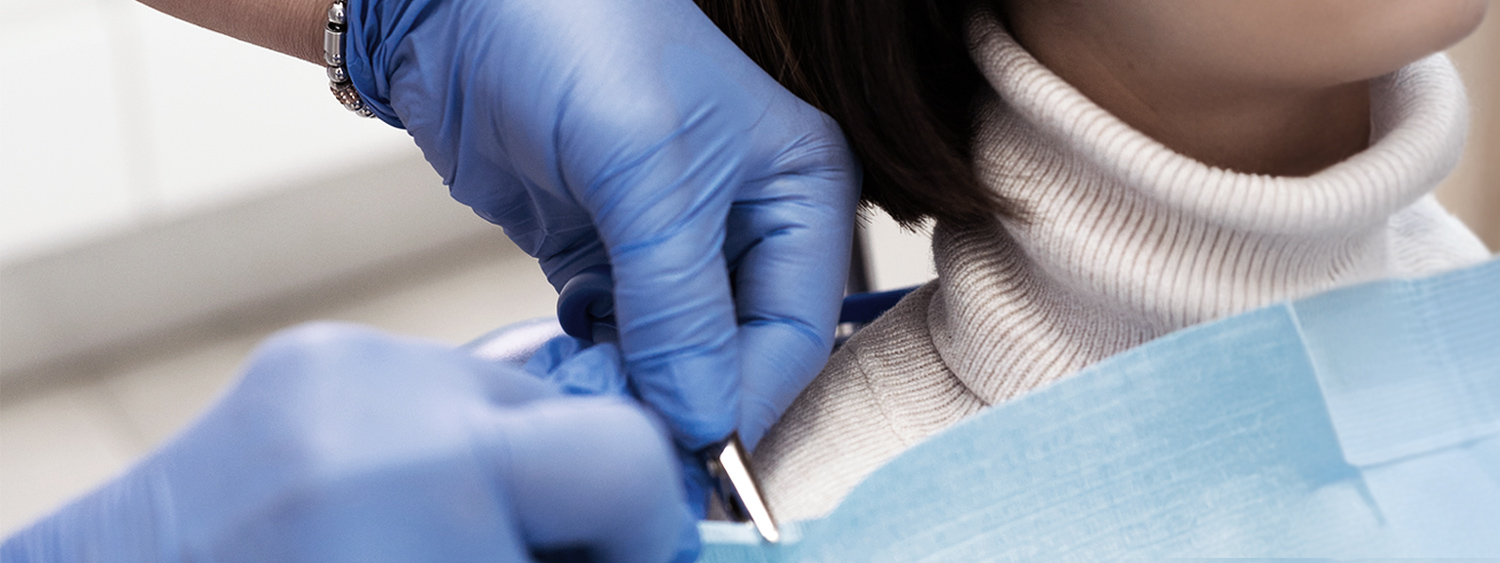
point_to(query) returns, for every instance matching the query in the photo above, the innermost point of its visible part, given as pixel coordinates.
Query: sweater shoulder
(882, 392)
(1426, 239)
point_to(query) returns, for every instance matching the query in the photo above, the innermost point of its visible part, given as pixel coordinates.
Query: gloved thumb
(595, 477)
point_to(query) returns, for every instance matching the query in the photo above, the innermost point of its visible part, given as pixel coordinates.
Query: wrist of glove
(342, 444)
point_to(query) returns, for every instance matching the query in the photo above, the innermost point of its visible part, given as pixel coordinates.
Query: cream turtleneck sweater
(1127, 241)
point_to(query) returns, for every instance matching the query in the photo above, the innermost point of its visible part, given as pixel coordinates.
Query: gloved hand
(579, 367)
(342, 444)
(634, 133)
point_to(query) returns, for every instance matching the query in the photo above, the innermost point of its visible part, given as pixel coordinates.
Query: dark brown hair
(896, 75)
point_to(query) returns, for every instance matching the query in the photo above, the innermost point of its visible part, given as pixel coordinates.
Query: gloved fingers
(580, 368)
(553, 354)
(566, 254)
(676, 323)
(661, 210)
(593, 475)
(790, 250)
(365, 443)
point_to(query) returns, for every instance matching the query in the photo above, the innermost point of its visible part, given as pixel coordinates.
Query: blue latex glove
(578, 367)
(342, 444)
(633, 133)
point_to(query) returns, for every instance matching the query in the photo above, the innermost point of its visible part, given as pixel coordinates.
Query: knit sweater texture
(1125, 241)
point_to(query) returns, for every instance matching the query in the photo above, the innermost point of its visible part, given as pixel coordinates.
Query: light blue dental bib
(1364, 422)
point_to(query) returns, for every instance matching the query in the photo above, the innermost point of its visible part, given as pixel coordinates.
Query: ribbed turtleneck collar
(1128, 240)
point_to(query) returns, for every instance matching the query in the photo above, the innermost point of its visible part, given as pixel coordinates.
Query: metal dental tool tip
(729, 466)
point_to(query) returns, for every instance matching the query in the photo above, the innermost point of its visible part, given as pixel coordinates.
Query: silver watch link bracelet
(333, 58)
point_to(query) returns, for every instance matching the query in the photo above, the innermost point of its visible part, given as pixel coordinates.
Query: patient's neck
(1229, 124)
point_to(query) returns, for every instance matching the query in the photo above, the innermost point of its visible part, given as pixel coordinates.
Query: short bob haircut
(897, 76)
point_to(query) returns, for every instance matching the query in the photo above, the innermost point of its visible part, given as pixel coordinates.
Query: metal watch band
(333, 58)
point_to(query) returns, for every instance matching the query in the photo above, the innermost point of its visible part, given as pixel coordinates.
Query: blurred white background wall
(168, 197)
(117, 117)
